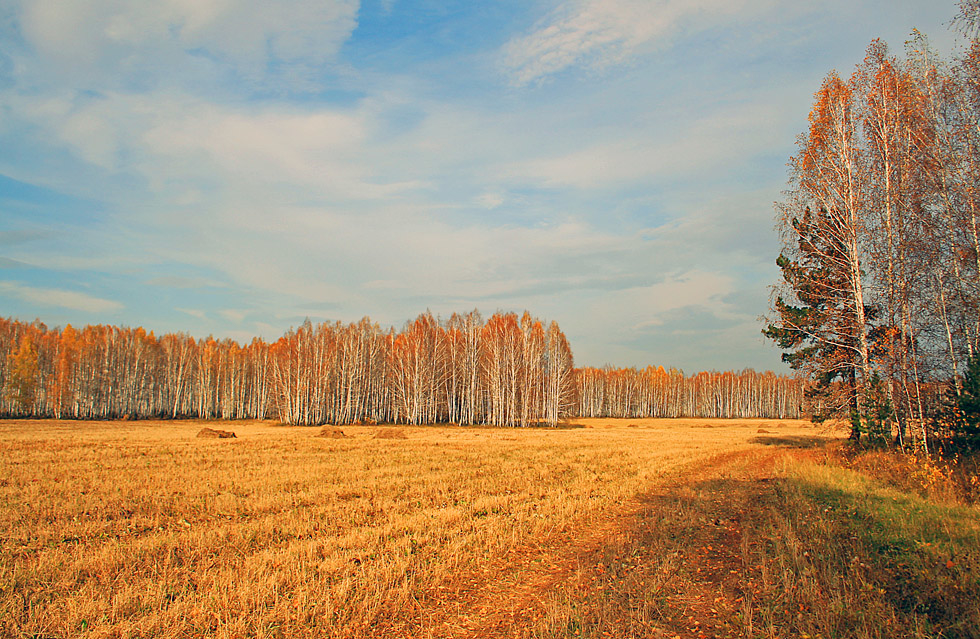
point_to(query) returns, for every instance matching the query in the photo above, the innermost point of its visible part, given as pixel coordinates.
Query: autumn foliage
(655, 392)
(880, 300)
(508, 370)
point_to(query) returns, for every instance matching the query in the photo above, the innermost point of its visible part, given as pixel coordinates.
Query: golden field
(140, 529)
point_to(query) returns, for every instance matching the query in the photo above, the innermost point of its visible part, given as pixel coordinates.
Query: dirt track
(669, 564)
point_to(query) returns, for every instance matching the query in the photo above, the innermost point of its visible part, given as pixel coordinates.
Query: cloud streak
(601, 33)
(59, 298)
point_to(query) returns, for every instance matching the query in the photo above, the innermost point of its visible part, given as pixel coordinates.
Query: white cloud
(636, 310)
(689, 146)
(193, 312)
(191, 149)
(59, 298)
(93, 138)
(179, 282)
(6, 262)
(635, 325)
(317, 148)
(690, 289)
(600, 33)
(490, 200)
(107, 41)
(480, 261)
(233, 315)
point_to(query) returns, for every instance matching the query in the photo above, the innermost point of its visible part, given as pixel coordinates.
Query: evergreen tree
(815, 321)
(966, 421)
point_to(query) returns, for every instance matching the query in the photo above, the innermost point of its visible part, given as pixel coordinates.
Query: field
(646, 528)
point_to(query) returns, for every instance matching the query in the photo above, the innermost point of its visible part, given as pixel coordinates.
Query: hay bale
(331, 433)
(391, 433)
(762, 430)
(212, 433)
(781, 425)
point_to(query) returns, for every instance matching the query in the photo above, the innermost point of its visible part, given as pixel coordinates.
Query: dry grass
(140, 529)
(782, 542)
(390, 433)
(843, 554)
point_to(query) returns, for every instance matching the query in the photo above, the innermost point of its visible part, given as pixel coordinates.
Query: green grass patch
(780, 544)
(844, 555)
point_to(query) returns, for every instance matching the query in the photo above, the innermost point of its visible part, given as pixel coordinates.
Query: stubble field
(140, 529)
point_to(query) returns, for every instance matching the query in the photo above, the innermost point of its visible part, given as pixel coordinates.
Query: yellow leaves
(22, 374)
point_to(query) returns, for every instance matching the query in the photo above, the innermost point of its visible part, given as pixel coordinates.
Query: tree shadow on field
(739, 546)
(791, 441)
(676, 569)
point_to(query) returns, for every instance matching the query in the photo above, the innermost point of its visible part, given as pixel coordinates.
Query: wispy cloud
(6, 262)
(59, 298)
(12, 238)
(602, 33)
(233, 315)
(695, 145)
(180, 282)
(193, 312)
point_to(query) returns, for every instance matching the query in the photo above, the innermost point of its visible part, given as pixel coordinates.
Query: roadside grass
(952, 479)
(846, 555)
(783, 543)
(138, 529)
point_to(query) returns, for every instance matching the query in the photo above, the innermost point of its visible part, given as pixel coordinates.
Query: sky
(233, 167)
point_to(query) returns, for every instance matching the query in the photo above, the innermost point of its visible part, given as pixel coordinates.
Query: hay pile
(211, 433)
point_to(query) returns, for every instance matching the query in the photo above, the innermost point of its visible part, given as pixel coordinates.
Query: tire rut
(671, 564)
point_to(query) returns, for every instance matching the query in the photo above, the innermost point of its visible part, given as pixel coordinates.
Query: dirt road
(671, 563)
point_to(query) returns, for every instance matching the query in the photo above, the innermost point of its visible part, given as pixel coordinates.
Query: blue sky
(231, 167)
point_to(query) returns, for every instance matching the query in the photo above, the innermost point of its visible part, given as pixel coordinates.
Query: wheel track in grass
(509, 600)
(684, 541)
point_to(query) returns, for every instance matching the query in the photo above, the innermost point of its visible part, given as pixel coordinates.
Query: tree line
(655, 392)
(880, 299)
(508, 370)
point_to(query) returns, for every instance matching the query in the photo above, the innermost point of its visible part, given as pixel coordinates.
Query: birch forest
(502, 371)
(880, 299)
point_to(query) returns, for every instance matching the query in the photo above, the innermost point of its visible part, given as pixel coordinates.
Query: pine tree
(966, 425)
(815, 321)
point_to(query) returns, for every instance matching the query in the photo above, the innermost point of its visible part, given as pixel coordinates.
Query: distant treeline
(655, 392)
(504, 371)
